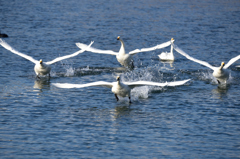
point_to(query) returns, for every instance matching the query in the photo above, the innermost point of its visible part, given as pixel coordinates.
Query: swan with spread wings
(41, 68)
(221, 73)
(125, 59)
(122, 89)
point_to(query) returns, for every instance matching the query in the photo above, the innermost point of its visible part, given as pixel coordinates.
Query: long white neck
(122, 49)
(222, 65)
(171, 51)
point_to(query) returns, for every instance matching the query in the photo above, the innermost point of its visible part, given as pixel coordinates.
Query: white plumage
(220, 73)
(41, 68)
(123, 58)
(167, 56)
(119, 88)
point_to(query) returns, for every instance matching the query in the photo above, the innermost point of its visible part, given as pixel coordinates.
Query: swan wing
(231, 61)
(149, 83)
(144, 83)
(68, 85)
(160, 46)
(94, 50)
(180, 51)
(178, 83)
(8, 47)
(69, 56)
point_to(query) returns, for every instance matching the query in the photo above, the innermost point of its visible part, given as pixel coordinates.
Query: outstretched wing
(68, 85)
(144, 83)
(8, 47)
(160, 46)
(149, 83)
(180, 51)
(94, 50)
(231, 61)
(69, 56)
(178, 83)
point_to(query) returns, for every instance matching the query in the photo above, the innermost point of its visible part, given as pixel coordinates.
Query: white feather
(8, 47)
(120, 88)
(41, 68)
(125, 59)
(220, 73)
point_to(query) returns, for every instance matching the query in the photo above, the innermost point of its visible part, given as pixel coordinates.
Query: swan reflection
(120, 111)
(165, 64)
(220, 91)
(42, 84)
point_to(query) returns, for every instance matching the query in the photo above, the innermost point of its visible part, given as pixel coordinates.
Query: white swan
(41, 68)
(168, 56)
(119, 88)
(220, 73)
(122, 57)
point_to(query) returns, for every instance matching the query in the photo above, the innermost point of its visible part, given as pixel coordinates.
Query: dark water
(197, 120)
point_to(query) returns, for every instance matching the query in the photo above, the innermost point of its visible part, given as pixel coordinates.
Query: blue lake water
(197, 120)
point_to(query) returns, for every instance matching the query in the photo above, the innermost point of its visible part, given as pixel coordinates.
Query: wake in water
(153, 74)
(70, 72)
(208, 77)
(221, 73)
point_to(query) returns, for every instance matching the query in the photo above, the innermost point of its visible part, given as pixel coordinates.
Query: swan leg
(38, 77)
(116, 97)
(132, 65)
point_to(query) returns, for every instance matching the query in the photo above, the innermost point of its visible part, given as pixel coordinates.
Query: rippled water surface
(197, 120)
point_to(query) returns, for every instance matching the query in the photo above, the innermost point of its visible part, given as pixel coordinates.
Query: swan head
(172, 40)
(118, 38)
(40, 61)
(222, 64)
(118, 78)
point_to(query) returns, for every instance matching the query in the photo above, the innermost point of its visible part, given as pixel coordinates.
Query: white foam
(70, 72)
(147, 74)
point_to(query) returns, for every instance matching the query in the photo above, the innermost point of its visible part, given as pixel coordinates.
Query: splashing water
(208, 76)
(231, 79)
(70, 72)
(86, 69)
(140, 92)
(53, 74)
(147, 74)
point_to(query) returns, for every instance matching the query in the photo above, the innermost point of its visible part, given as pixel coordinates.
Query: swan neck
(221, 67)
(171, 51)
(122, 49)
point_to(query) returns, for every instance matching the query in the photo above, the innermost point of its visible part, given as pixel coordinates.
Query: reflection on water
(42, 84)
(220, 91)
(120, 111)
(165, 64)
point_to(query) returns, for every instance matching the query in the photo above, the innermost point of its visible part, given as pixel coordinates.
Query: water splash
(70, 72)
(147, 74)
(208, 76)
(140, 92)
(53, 74)
(86, 69)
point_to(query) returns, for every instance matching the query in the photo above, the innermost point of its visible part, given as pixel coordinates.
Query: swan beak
(118, 37)
(40, 61)
(118, 78)
(223, 64)
(172, 40)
